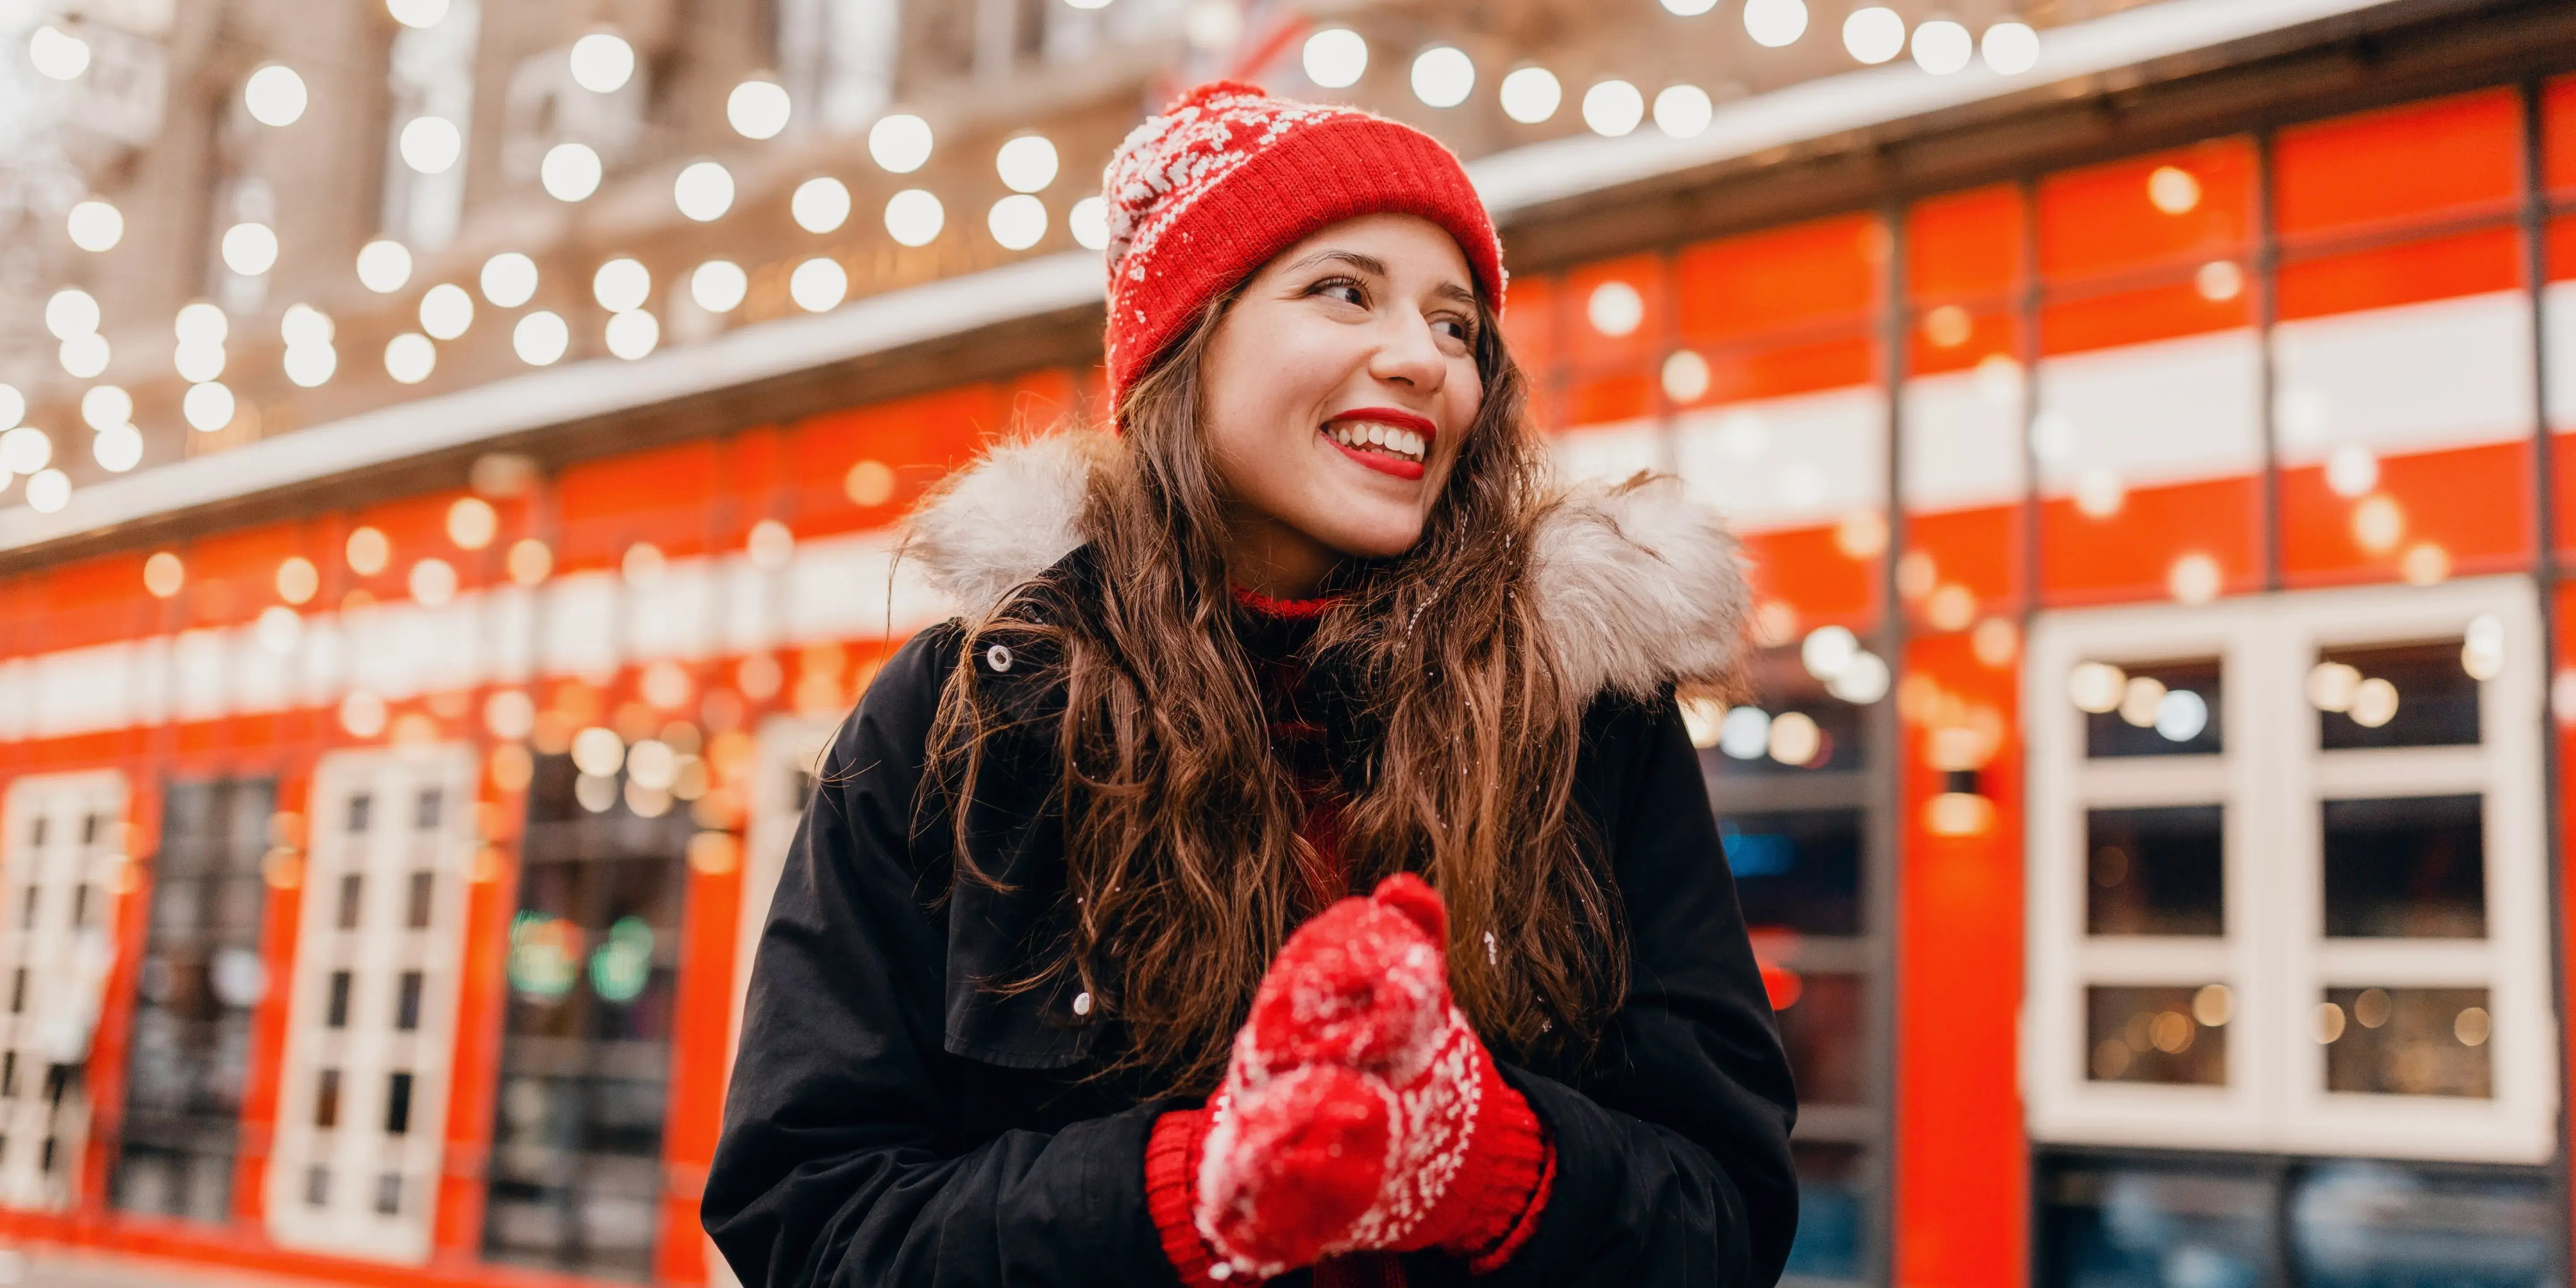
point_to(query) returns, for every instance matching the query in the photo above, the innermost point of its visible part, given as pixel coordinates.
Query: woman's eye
(1455, 330)
(1342, 289)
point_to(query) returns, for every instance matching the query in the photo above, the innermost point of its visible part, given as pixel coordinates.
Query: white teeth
(1396, 442)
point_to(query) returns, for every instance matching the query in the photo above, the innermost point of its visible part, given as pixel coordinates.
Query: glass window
(2402, 695)
(2158, 871)
(2150, 709)
(2136, 1225)
(1797, 869)
(2411, 867)
(1823, 1024)
(2407, 1041)
(1833, 1216)
(2158, 1033)
(2374, 1225)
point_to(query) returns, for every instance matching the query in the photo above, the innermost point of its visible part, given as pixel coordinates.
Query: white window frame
(66, 964)
(369, 1049)
(2270, 779)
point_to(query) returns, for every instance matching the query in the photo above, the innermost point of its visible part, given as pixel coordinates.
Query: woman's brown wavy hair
(1181, 829)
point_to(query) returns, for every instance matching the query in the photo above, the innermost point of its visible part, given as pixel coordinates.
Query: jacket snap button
(998, 657)
(1082, 1003)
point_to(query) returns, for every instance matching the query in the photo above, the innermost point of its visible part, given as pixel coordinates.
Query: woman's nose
(1407, 354)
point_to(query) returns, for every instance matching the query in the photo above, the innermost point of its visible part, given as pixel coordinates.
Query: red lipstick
(1384, 463)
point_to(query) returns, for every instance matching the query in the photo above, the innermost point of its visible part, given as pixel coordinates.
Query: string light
(540, 339)
(48, 491)
(13, 407)
(1017, 222)
(704, 191)
(1613, 107)
(820, 205)
(1874, 35)
(621, 284)
(250, 249)
(1689, 8)
(718, 285)
(1443, 76)
(1775, 23)
(758, 109)
(410, 357)
(84, 356)
(71, 312)
(446, 310)
(275, 95)
(117, 448)
(509, 279)
(1942, 46)
(417, 13)
(384, 266)
(1088, 221)
(2011, 48)
(94, 225)
(1335, 57)
(57, 53)
(431, 144)
(633, 333)
(1683, 111)
(900, 143)
(1027, 163)
(106, 407)
(25, 450)
(569, 172)
(1530, 95)
(817, 284)
(914, 217)
(208, 406)
(602, 62)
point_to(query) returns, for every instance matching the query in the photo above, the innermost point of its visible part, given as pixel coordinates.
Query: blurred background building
(453, 453)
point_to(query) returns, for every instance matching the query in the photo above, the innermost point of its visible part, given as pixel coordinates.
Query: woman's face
(1337, 390)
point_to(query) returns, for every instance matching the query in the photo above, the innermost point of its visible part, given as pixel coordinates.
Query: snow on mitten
(1361, 1111)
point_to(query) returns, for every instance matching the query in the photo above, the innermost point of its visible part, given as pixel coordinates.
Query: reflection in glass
(2158, 871)
(1821, 1029)
(2136, 1225)
(2372, 1224)
(2157, 1033)
(1791, 725)
(2403, 695)
(1831, 1215)
(2411, 867)
(2407, 1041)
(1798, 869)
(2149, 709)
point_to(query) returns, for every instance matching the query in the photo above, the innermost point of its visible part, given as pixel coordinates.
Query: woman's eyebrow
(1455, 292)
(1364, 263)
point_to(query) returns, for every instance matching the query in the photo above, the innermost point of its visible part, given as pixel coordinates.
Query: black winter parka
(892, 1123)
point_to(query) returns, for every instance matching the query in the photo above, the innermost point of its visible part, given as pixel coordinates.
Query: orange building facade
(2149, 805)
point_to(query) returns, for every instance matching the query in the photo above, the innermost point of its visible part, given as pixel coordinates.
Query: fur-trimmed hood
(1638, 585)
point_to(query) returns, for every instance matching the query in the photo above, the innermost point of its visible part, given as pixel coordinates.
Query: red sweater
(1510, 1160)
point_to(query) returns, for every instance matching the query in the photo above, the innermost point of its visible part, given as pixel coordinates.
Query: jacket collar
(1638, 585)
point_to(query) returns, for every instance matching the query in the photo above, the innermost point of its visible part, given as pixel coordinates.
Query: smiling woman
(1065, 981)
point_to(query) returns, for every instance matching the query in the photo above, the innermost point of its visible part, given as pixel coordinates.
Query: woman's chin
(1372, 540)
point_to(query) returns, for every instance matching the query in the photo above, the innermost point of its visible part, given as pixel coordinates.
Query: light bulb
(817, 284)
(1027, 163)
(758, 109)
(49, 491)
(275, 95)
(84, 356)
(1017, 221)
(540, 338)
(417, 13)
(621, 284)
(1531, 95)
(430, 144)
(633, 333)
(250, 249)
(1443, 76)
(384, 266)
(13, 407)
(718, 285)
(1613, 108)
(71, 311)
(1335, 57)
(900, 143)
(1874, 35)
(569, 171)
(310, 365)
(820, 205)
(117, 448)
(303, 324)
(1942, 46)
(57, 53)
(208, 406)
(1088, 221)
(446, 310)
(704, 191)
(509, 280)
(1683, 111)
(410, 357)
(914, 217)
(602, 62)
(106, 407)
(95, 225)
(201, 323)
(25, 450)
(2011, 48)
(1775, 23)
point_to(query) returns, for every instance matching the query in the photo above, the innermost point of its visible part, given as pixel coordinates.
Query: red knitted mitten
(1360, 1112)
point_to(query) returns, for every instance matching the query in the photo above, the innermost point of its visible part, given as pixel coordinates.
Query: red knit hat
(1227, 177)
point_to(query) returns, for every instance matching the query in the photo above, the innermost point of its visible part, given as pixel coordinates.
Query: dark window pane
(2407, 1041)
(91, 826)
(80, 906)
(407, 1002)
(18, 991)
(424, 886)
(398, 1104)
(425, 809)
(317, 1186)
(338, 1014)
(8, 1073)
(389, 1188)
(1822, 1029)
(2157, 1033)
(326, 1099)
(2374, 1224)
(352, 888)
(1797, 869)
(360, 807)
(1832, 1210)
(27, 908)
(2411, 867)
(2150, 709)
(2404, 695)
(2159, 871)
(1791, 725)
(2134, 1224)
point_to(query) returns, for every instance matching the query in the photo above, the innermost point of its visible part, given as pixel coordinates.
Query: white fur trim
(1638, 585)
